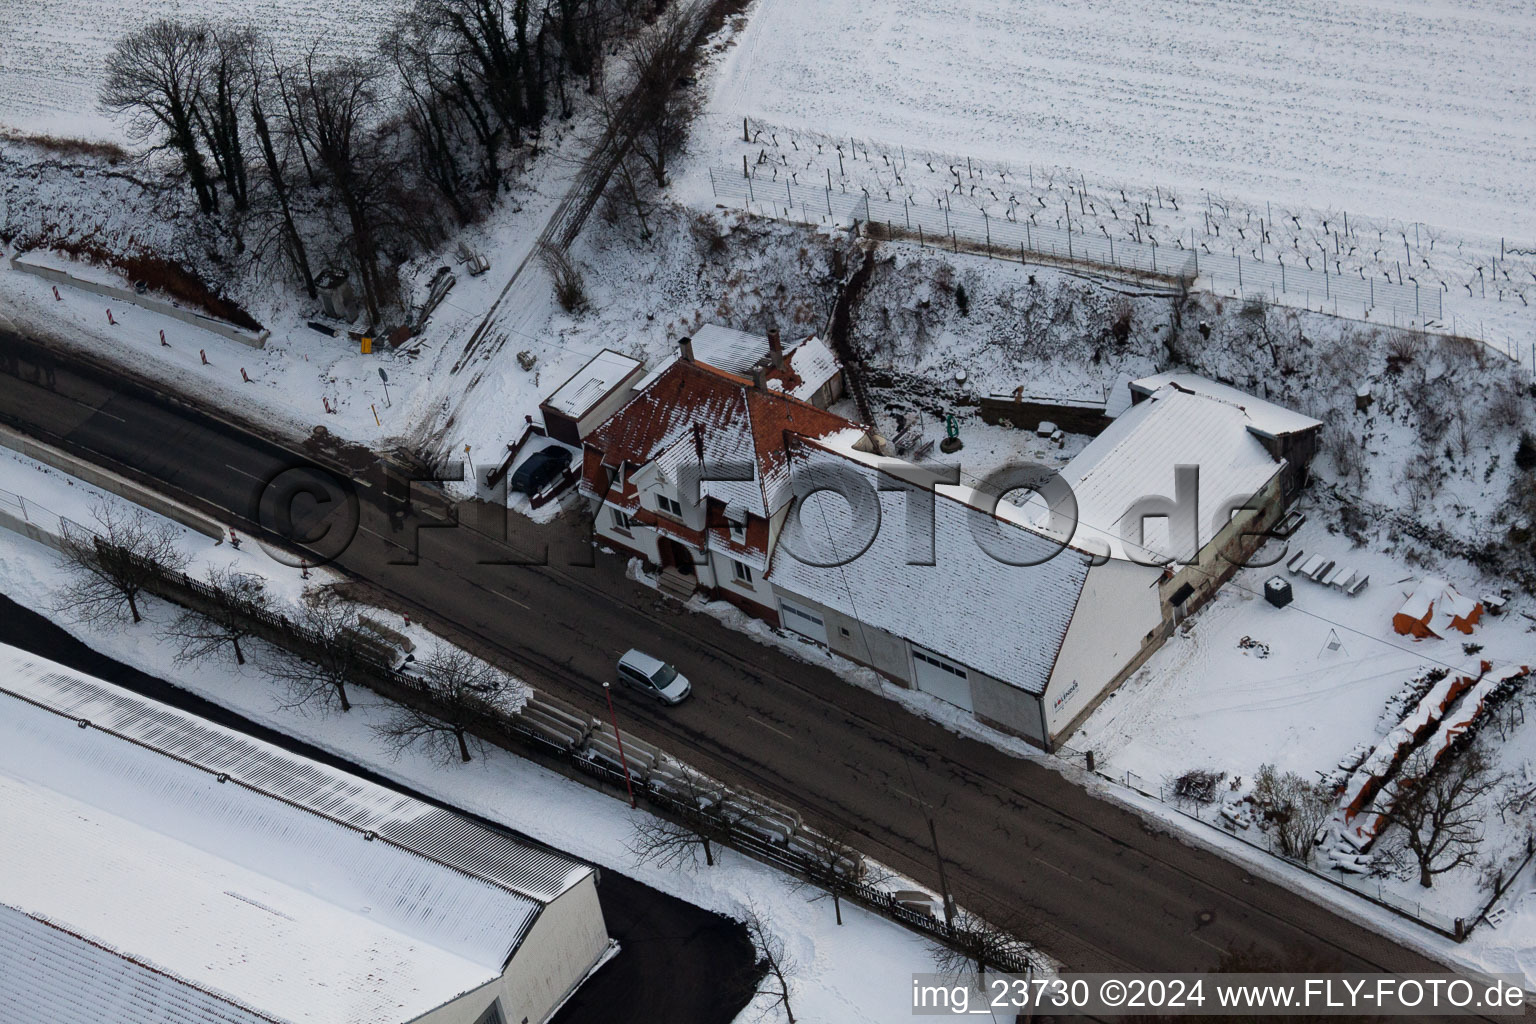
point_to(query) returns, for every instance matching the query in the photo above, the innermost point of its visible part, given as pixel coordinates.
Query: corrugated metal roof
(51, 974)
(524, 868)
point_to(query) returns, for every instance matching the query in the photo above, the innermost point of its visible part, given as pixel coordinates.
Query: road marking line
(770, 728)
(243, 473)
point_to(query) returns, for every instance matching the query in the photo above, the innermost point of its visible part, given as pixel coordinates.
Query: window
(671, 506)
(621, 520)
(738, 530)
(741, 572)
(939, 663)
(492, 1014)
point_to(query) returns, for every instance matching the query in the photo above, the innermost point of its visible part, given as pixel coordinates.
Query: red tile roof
(692, 410)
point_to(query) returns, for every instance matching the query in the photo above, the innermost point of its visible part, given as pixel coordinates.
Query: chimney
(775, 347)
(685, 349)
(760, 377)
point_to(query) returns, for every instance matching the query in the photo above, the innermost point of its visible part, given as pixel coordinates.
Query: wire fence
(1367, 887)
(1017, 235)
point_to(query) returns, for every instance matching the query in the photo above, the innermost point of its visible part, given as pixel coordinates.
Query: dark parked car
(540, 468)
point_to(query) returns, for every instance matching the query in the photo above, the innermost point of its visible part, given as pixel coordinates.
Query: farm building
(1101, 577)
(157, 867)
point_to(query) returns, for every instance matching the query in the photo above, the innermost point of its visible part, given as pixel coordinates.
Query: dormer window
(671, 506)
(738, 528)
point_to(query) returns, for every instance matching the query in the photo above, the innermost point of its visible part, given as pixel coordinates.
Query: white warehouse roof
(151, 858)
(1263, 417)
(1006, 620)
(1137, 455)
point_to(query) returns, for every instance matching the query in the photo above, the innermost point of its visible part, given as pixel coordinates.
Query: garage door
(942, 678)
(803, 621)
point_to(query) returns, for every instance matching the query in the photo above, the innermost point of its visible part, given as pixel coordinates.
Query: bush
(1198, 785)
(1525, 451)
(962, 300)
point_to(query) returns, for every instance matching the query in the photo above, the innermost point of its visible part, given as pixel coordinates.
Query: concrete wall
(1006, 707)
(150, 302)
(467, 1009)
(563, 945)
(1225, 552)
(109, 481)
(1117, 614)
(884, 652)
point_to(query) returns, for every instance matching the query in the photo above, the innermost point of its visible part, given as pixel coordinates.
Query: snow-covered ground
(53, 52)
(1422, 111)
(1211, 124)
(860, 972)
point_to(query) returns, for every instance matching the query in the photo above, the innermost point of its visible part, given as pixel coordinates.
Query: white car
(653, 677)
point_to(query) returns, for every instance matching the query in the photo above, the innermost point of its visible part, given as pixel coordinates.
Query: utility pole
(613, 716)
(949, 901)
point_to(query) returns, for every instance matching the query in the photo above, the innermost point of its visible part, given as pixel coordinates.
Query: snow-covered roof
(729, 349)
(1264, 418)
(98, 985)
(808, 364)
(736, 423)
(1434, 594)
(1006, 620)
(208, 861)
(1136, 457)
(592, 383)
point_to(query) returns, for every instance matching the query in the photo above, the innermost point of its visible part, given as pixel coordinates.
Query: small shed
(590, 396)
(1434, 609)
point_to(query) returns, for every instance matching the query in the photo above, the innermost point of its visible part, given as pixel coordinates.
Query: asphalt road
(1095, 886)
(676, 962)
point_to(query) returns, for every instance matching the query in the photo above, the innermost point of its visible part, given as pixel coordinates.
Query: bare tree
(1437, 810)
(464, 691)
(340, 118)
(1296, 807)
(156, 76)
(225, 86)
(981, 944)
(838, 868)
(237, 598)
(276, 167)
(774, 962)
(651, 118)
(334, 652)
(707, 821)
(111, 563)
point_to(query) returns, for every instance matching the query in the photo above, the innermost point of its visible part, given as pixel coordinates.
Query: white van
(653, 677)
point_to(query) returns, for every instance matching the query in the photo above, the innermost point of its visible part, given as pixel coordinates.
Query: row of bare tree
(361, 161)
(125, 554)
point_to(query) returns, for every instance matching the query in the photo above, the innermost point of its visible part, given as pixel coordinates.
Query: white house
(157, 867)
(692, 476)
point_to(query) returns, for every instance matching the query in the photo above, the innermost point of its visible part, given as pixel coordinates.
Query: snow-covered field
(1309, 136)
(1422, 110)
(53, 52)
